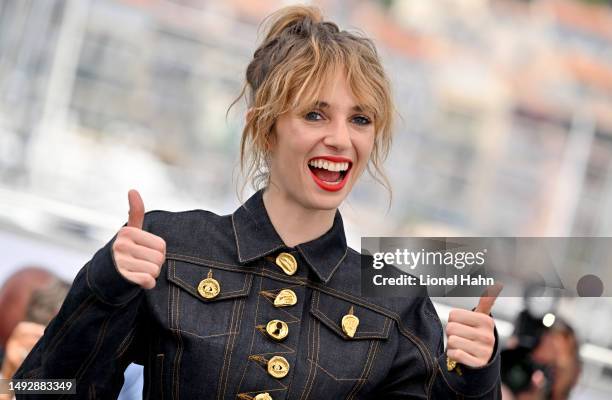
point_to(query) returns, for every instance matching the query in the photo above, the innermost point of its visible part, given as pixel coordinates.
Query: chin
(327, 200)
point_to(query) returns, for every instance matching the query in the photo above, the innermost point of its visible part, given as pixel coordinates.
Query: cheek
(364, 146)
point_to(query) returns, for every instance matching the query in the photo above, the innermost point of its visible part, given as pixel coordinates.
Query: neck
(294, 223)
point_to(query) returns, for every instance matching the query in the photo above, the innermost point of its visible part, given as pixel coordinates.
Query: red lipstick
(331, 187)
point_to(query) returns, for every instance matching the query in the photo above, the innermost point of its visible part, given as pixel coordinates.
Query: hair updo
(288, 71)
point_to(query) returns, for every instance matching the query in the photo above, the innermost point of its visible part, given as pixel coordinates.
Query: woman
(264, 303)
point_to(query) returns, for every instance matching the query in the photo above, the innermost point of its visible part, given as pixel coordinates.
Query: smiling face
(317, 155)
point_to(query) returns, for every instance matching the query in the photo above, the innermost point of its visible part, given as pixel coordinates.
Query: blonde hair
(288, 71)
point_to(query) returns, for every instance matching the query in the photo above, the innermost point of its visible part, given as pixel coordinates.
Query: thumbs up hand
(138, 254)
(470, 334)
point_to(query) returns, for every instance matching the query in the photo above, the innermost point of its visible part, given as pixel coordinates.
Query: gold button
(263, 396)
(209, 288)
(287, 263)
(278, 367)
(277, 329)
(350, 323)
(285, 298)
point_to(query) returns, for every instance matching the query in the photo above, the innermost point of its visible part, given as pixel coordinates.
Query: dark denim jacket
(193, 347)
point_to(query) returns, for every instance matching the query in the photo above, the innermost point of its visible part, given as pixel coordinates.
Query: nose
(338, 136)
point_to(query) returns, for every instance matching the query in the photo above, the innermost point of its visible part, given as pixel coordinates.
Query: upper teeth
(329, 165)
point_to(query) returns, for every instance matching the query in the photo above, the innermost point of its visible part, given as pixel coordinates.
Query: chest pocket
(203, 298)
(343, 357)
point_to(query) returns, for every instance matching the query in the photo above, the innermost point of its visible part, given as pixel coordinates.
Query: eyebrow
(322, 104)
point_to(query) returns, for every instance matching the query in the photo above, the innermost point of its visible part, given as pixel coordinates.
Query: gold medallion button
(263, 396)
(209, 288)
(450, 364)
(287, 263)
(278, 367)
(350, 323)
(277, 329)
(285, 298)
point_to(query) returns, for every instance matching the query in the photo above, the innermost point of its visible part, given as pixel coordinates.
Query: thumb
(488, 298)
(136, 213)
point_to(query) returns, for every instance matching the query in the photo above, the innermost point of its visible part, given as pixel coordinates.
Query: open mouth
(330, 174)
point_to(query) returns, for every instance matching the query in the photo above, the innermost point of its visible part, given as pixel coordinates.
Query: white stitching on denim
(308, 356)
(99, 340)
(366, 371)
(333, 376)
(63, 329)
(125, 344)
(261, 391)
(161, 375)
(422, 348)
(179, 351)
(316, 343)
(243, 307)
(426, 354)
(362, 335)
(245, 260)
(292, 319)
(252, 337)
(227, 345)
(327, 279)
(266, 371)
(185, 285)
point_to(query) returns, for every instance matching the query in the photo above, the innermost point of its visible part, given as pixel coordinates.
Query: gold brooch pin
(452, 365)
(287, 263)
(350, 323)
(209, 288)
(285, 298)
(278, 367)
(277, 329)
(260, 396)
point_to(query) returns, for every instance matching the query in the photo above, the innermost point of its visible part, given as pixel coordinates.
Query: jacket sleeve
(427, 376)
(468, 382)
(95, 334)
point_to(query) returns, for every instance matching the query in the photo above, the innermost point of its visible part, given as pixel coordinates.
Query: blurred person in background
(540, 363)
(265, 303)
(15, 296)
(30, 299)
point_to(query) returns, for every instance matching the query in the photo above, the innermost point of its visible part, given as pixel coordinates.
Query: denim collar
(256, 237)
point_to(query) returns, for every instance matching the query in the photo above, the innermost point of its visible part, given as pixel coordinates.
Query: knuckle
(150, 282)
(451, 328)
(120, 245)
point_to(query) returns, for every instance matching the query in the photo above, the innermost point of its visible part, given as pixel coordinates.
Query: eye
(361, 120)
(313, 116)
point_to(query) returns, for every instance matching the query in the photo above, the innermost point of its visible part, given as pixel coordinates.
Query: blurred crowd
(29, 300)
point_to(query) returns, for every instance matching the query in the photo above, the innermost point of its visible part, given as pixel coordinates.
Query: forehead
(334, 91)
